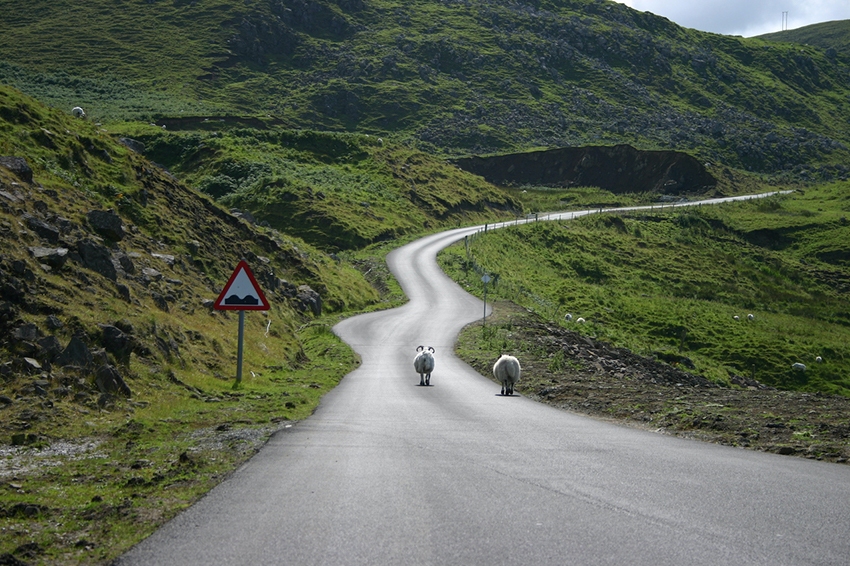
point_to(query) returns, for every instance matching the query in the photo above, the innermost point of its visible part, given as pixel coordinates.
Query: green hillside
(310, 137)
(668, 284)
(478, 76)
(832, 37)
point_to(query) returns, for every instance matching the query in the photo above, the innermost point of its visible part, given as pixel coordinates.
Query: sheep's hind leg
(421, 379)
(428, 379)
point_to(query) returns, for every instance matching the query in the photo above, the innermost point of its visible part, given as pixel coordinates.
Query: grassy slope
(85, 475)
(828, 35)
(338, 191)
(478, 76)
(669, 283)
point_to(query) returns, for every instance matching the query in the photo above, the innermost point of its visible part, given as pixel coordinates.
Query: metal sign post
(241, 293)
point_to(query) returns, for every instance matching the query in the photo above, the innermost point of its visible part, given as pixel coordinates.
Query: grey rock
(149, 274)
(49, 348)
(109, 381)
(76, 354)
(97, 258)
(53, 322)
(126, 263)
(43, 229)
(169, 259)
(160, 301)
(18, 166)
(30, 365)
(54, 257)
(123, 292)
(117, 343)
(107, 224)
(27, 332)
(308, 299)
(132, 144)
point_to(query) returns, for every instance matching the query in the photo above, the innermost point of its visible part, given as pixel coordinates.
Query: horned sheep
(507, 372)
(423, 363)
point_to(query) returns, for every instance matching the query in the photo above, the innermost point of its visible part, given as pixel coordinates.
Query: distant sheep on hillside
(423, 363)
(78, 112)
(507, 372)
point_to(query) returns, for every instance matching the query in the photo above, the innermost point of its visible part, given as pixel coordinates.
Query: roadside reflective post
(485, 280)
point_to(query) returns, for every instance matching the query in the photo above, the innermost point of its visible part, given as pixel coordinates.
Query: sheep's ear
(420, 348)
(431, 349)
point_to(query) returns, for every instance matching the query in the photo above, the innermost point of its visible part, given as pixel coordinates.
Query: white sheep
(798, 366)
(818, 359)
(423, 363)
(507, 372)
(736, 317)
(78, 112)
(580, 320)
(568, 317)
(750, 317)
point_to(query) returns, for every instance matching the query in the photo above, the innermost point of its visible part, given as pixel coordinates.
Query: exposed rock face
(309, 299)
(618, 169)
(18, 166)
(132, 144)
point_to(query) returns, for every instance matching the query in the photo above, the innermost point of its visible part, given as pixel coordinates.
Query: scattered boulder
(54, 257)
(43, 229)
(126, 263)
(96, 257)
(49, 348)
(76, 354)
(123, 292)
(109, 381)
(117, 343)
(286, 288)
(149, 275)
(168, 259)
(26, 333)
(107, 224)
(30, 365)
(18, 166)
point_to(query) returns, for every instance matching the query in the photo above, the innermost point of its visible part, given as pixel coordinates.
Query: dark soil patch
(570, 371)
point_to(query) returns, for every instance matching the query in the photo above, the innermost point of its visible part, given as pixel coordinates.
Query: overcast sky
(744, 17)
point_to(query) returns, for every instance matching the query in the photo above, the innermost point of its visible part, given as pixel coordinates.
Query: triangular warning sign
(242, 292)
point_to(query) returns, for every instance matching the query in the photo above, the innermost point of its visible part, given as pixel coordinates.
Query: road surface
(388, 472)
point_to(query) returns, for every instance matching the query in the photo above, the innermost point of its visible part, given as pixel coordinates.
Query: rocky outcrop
(619, 169)
(18, 166)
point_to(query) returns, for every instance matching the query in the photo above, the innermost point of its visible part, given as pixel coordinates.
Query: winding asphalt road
(388, 472)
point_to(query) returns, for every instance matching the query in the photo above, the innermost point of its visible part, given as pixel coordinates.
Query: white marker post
(241, 293)
(485, 280)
